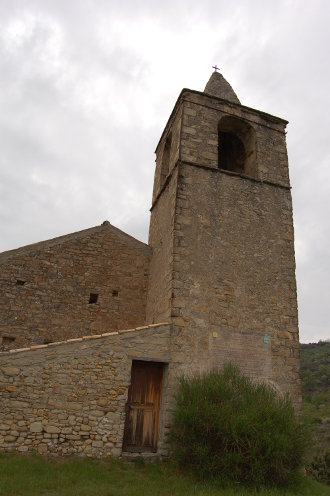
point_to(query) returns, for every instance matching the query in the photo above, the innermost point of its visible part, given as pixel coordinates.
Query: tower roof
(218, 86)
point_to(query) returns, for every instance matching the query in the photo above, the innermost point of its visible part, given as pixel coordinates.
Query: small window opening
(166, 158)
(115, 292)
(8, 339)
(20, 282)
(93, 297)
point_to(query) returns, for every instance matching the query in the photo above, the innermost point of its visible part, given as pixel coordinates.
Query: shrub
(227, 427)
(319, 468)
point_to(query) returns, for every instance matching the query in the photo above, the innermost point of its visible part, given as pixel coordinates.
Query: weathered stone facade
(228, 281)
(219, 269)
(47, 287)
(69, 398)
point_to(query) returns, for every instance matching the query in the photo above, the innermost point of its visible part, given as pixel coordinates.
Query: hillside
(315, 375)
(315, 368)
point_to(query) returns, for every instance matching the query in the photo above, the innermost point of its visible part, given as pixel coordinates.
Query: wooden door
(143, 407)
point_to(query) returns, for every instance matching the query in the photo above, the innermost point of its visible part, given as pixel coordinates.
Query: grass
(37, 476)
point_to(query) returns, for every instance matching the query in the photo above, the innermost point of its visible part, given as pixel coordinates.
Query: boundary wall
(69, 397)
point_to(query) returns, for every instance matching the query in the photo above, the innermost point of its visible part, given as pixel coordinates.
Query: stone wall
(233, 289)
(234, 276)
(161, 264)
(46, 287)
(172, 129)
(199, 139)
(69, 397)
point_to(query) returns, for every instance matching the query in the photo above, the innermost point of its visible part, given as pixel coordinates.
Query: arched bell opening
(236, 146)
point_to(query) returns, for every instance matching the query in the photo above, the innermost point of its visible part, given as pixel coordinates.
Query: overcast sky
(86, 87)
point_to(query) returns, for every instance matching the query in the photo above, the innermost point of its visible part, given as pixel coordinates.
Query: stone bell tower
(223, 267)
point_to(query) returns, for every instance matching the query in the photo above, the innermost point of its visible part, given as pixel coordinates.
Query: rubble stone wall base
(69, 397)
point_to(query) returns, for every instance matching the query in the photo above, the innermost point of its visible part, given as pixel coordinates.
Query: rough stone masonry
(216, 283)
(69, 397)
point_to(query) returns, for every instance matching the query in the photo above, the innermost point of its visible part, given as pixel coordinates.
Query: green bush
(229, 428)
(319, 468)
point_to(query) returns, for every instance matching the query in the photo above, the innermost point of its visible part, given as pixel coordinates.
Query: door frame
(158, 423)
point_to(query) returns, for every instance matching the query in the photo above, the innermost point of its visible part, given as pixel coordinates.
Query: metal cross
(215, 67)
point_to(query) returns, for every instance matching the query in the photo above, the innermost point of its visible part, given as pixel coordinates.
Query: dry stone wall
(46, 287)
(69, 398)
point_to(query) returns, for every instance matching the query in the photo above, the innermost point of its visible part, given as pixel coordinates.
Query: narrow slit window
(93, 297)
(166, 159)
(8, 339)
(115, 293)
(20, 282)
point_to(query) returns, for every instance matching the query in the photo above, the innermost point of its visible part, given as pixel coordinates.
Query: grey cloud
(82, 106)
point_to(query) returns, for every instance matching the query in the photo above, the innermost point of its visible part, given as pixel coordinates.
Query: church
(97, 327)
